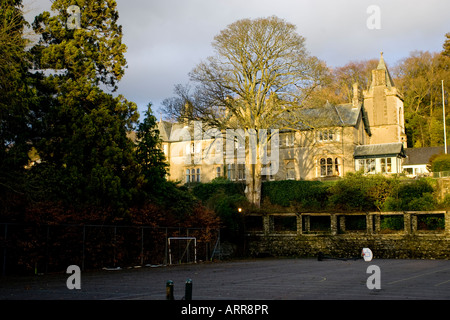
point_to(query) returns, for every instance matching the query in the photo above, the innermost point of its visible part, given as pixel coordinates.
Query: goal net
(182, 250)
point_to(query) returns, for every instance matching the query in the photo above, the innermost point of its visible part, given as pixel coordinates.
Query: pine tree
(83, 142)
(150, 157)
(14, 104)
(446, 46)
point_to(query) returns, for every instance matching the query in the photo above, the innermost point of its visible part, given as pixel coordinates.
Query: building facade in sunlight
(366, 135)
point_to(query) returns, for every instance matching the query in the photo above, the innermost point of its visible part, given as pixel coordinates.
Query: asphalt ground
(258, 279)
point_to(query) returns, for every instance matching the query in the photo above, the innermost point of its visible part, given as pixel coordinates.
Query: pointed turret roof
(382, 66)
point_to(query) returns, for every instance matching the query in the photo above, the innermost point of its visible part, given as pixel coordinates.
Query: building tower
(384, 107)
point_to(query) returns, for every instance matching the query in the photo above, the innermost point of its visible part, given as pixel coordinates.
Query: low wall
(415, 235)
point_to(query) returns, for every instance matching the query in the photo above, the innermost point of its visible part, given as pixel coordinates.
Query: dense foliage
(440, 163)
(355, 192)
(66, 153)
(66, 150)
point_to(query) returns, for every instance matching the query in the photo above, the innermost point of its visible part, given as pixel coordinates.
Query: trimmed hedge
(307, 194)
(205, 191)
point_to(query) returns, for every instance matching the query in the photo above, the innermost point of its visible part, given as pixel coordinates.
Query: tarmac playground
(255, 279)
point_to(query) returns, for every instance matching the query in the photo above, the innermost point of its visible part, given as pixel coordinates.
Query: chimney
(355, 99)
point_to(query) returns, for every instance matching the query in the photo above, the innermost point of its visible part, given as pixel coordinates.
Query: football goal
(182, 250)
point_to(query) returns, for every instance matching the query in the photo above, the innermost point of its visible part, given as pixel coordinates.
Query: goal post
(185, 249)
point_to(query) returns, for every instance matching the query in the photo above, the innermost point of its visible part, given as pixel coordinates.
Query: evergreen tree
(151, 159)
(446, 46)
(14, 104)
(83, 143)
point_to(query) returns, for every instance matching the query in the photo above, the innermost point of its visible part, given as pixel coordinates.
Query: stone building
(364, 135)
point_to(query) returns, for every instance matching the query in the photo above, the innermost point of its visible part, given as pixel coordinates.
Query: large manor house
(367, 134)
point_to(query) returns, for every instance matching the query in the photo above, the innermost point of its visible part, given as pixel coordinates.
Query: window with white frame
(386, 165)
(329, 166)
(367, 165)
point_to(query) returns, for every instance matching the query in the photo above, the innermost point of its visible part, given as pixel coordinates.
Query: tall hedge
(308, 194)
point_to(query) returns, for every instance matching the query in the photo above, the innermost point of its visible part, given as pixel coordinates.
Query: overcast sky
(166, 39)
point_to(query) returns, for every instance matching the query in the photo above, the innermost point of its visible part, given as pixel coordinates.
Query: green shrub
(358, 192)
(423, 203)
(308, 194)
(441, 163)
(392, 222)
(205, 191)
(392, 204)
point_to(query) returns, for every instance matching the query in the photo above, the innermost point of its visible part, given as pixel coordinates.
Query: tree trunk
(253, 171)
(253, 184)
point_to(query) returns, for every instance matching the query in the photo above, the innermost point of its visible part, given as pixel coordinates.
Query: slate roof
(331, 115)
(416, 156)
(379, 150)
(328, 115)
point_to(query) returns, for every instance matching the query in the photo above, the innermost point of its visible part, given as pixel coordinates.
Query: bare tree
(257, 81)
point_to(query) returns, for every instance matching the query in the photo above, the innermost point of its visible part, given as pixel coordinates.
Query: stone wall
(344, 235)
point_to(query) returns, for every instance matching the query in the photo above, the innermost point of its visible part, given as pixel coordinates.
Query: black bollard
(188, 290)
(320, 256)
(169, 290)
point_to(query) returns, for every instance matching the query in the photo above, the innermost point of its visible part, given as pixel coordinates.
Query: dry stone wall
(308, 234)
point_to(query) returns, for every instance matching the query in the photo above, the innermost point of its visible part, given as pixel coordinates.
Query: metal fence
(441, 174)
(52, 248)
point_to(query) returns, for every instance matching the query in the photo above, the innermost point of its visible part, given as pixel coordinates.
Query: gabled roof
(379, 150)
(164, 128)
(330, 115)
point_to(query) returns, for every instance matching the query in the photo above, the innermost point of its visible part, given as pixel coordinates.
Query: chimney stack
(355, 100)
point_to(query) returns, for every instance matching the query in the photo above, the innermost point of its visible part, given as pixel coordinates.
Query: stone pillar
(413, 223)
(333, 224)
(266, 224)
(447, 223)
(369, 223)
(377, 223)
(299, 224)
(407, 222)
(307, 224)
(342, 223)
